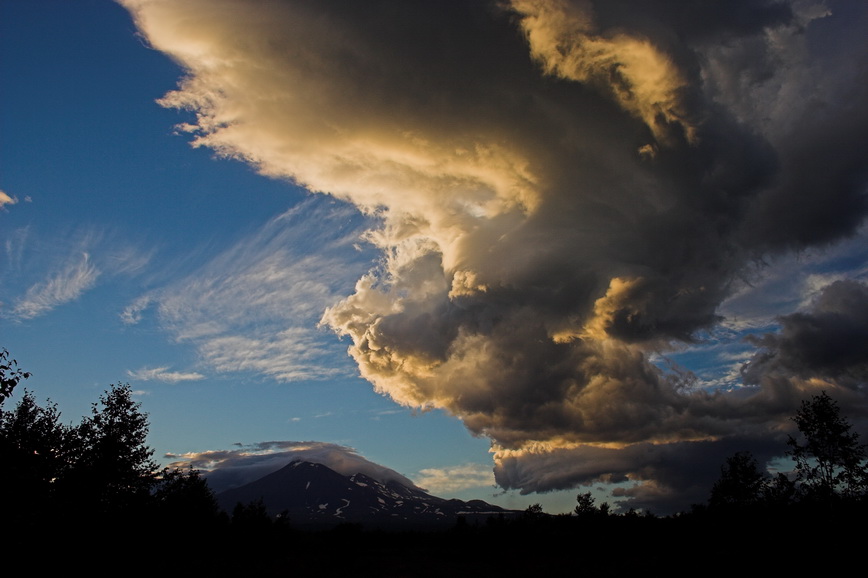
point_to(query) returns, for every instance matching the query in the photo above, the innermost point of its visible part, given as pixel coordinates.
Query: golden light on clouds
(637, 74)
(550, 215)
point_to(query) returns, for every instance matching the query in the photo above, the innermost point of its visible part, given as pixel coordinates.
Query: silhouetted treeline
(829, 479)
(75, 493)
(94, 482)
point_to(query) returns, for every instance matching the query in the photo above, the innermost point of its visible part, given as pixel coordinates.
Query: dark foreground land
(686, 545)
(88, 499)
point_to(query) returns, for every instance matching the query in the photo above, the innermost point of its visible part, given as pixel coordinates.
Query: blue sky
(512, 256)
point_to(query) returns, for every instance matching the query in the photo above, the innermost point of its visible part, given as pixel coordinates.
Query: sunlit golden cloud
(5, 199)
(638, 75)
(456, 478)
(561, 190)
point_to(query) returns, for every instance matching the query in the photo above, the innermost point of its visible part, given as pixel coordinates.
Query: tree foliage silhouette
(251, 517)
(69, 486)
(830, 461)
(184, 496)
(113, 465)
(10, 375)
(831, 466)
(741, 484)
(586, 507)
(32, 450)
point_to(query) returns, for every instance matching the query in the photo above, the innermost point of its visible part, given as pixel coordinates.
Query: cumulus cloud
(563, 189)
(826, 342)
(227, 469)
(643, 79)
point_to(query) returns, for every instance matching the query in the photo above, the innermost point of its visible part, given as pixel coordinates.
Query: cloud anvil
(562, 191)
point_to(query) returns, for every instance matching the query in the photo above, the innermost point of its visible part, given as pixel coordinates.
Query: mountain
(314, 495)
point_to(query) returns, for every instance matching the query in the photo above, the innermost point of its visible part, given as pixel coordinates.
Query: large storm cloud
(564, 190)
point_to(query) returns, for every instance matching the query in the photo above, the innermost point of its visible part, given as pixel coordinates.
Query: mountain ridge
(313, 495)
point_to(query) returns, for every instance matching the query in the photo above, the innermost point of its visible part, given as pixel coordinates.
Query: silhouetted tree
(533, 511)
(830, 461)
(112, 469)
(66, 488)
(585, 505)
(741, 485)
(34, 439)
(251, 517)
(32, 448)
(780, 492)
(634, 514)
(10, 375)
(184, 495)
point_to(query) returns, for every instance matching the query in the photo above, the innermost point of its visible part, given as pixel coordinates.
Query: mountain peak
(314, 495)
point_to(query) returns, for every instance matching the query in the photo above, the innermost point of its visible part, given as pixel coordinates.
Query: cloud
(826, 342)
(255, 306)
(654, 477)
(163, 374)
(227, 469)
(132, 313)
(456, 478)
(47, 273)
(14, 246)
(5, 199)
(642, 78)
(784, 283)
(64, 286)
(563, 191)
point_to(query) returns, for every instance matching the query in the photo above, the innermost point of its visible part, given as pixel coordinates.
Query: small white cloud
(132, 314)
(456, 478)
(163, 374)
(5, 199)
(15, 245)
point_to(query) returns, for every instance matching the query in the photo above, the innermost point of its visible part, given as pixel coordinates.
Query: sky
(509, 250)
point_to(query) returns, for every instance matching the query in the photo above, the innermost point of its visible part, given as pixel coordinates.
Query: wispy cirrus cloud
(14, 246)
(163, 374)
(48, 271)
(77, 276)
(255, 307)
(133, 312)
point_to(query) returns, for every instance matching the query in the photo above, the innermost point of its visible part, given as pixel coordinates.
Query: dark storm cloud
(564, 189)
(654, 477)
(829, 340)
